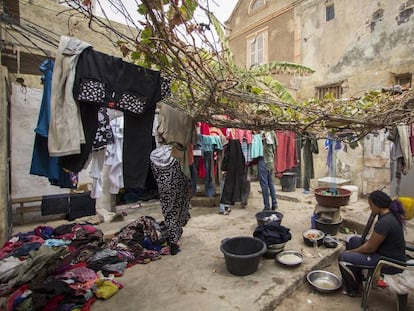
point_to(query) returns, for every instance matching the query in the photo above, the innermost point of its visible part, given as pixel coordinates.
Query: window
(257, 49)
(256, 4)
(405, 80)
(334, 89)
(330, 12)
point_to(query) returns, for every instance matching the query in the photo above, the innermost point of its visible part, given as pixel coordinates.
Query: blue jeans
(267, 184)
(351, 265)
(209, 189)
(223, 207)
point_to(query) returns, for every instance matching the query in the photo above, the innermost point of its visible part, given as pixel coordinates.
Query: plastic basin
(242, 254)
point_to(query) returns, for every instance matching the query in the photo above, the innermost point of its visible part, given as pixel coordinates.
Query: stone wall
(364, 47)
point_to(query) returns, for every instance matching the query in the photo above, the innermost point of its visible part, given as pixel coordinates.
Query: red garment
(201, 171)
(87, 305)
(285, 155)
(227, 132)
(204, 128)
(53, 303)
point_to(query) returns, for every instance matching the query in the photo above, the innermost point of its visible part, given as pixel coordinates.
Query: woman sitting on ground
(387, 239)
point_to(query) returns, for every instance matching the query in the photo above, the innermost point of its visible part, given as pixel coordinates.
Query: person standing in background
(175, 193)
(265, 166)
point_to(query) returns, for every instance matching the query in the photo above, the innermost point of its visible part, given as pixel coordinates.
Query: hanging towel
(65, 131)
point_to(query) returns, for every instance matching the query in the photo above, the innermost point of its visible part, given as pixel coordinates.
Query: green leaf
(146, 34)
(135, 55)
(281, 67)
(142, 9)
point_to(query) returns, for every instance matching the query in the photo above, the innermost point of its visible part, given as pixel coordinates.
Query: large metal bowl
(324, 281)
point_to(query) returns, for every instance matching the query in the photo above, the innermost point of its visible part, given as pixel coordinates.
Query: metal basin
(324, 281)
(289, 258)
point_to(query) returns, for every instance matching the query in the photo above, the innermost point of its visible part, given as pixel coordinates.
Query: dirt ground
(305, 298)
(197, 279)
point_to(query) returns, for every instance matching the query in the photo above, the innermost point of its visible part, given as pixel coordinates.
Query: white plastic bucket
(354, 189)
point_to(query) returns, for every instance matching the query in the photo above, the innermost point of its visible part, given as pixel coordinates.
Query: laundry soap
(408, 206)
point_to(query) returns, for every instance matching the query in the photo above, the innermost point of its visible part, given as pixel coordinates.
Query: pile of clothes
(71, 266)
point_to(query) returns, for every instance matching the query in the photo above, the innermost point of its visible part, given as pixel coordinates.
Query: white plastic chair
(374, 274)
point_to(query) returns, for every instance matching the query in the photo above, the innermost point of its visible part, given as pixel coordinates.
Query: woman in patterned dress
(174, 190)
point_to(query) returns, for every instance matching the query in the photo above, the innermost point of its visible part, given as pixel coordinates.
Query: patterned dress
(173, 188)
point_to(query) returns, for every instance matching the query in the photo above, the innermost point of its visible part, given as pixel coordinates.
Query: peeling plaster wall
(364, 46)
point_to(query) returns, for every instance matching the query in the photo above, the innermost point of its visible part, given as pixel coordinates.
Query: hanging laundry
(106, 81)
(234, 165)
(66, 130)
(332, 145)
(104, 135)
(400, 153)
(175, 127)
(111, 156)
(310, 147)
(42, 163)
(285, 156)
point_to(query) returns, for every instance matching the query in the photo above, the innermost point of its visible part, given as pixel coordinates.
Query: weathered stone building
(353, 46)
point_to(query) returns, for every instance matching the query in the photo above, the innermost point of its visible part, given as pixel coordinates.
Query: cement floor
(197, 278)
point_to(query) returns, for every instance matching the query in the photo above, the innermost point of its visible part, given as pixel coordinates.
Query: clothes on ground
(59, 276)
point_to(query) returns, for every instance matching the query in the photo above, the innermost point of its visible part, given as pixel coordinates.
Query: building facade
(353, 46)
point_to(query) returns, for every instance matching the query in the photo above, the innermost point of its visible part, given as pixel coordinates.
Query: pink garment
(285, 155)
(247, 134)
